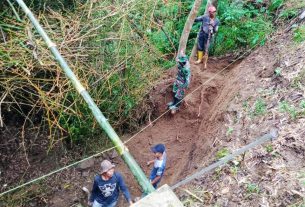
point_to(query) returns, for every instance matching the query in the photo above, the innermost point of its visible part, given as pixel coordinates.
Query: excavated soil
(184, 135)
(195, 133)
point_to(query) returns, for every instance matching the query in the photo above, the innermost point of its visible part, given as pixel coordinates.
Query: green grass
(33, 194)
(260, 107)
(278, 71)
(222, 153)
(290, 109)
(229, 131)
(252, 188)
(269, 148)
(302, 104)
(299, 34)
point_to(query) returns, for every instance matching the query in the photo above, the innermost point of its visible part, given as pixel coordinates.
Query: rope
(203, 171)
(55, 171)
(132, 137)
(270, 136)
(196, 89)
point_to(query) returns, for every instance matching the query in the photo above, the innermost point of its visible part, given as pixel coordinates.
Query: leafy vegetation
(299, 34)
(285, 107)
(259, 107)
(222, 153)
(252, 188)
(117, 49)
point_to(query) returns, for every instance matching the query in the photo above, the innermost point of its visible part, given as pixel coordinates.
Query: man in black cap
(159, 164)
(107, 186)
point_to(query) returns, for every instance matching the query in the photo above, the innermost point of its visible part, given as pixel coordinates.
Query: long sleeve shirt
(107, 192)
(208, 24)
(184, 75)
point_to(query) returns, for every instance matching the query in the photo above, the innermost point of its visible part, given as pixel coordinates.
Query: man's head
(212, 11)
(182, 59)
(158, 150)
(107, 168)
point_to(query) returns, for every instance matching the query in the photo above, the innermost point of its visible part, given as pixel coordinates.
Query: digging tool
(206, 55)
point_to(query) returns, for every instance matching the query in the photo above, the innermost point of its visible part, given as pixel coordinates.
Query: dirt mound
(270, 93)
(183, 134)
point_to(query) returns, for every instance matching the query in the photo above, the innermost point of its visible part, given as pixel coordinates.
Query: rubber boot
(205, 61)
(200, 56)
(170, 103)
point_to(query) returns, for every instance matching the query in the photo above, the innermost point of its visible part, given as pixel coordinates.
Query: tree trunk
(188, 25)
(209, 3)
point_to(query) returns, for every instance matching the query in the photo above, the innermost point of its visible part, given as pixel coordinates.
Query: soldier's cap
(106, 165)
(182, 58)
(158, 148)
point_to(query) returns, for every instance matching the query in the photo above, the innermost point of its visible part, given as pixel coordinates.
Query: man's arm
(124, 188)
(93, 191)
(199, 19)
(150, 162)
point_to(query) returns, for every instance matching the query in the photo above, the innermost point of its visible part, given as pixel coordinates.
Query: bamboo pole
(100, 118)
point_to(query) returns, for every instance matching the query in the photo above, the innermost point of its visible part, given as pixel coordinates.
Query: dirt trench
(186, 134)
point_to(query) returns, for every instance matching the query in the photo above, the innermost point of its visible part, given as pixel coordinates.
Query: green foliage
(229, 131)
(299, 80)
(285, 107)
(278, 72)
(32, 195)
(302, 104)
(299, 34)
(242, 25)
(252, 188)
(259, 107)
(288, 13)
(234, 170)
(275, 4)
(269, 148)
(222, 153)
(109, 51)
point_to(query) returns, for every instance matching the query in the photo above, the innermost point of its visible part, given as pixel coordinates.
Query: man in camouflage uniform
(181, 83)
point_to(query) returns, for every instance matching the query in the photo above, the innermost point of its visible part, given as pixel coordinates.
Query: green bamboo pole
(100, 118)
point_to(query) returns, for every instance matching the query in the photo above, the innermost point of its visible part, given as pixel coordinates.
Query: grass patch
(290, 109)
(222, 153)
(34, 195)
(299, 34)
(252, 188)
(269, 148)
(260, 107)
(229, 131)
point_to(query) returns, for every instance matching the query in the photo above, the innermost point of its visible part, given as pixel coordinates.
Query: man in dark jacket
(208, 28)
(107, 186)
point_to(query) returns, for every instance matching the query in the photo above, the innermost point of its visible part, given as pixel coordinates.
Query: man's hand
(90, 203)
(150, 162)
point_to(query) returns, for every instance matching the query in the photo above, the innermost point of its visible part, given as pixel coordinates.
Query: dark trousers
(202, 41)
(176, 102)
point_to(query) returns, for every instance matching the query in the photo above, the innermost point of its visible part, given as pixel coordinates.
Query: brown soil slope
(241, 103)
